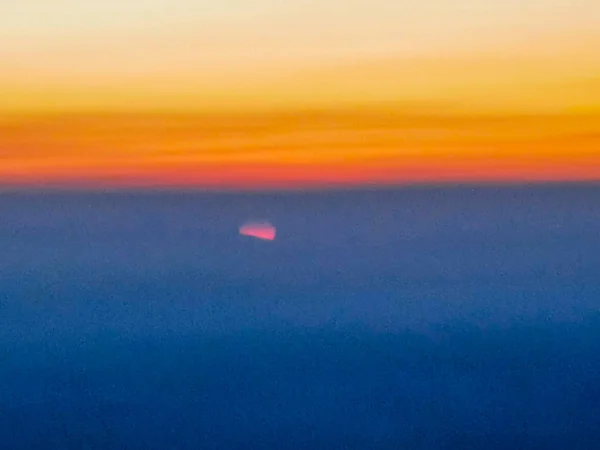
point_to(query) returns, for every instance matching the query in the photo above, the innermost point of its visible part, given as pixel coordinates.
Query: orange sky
(258, 93)
(295, 150)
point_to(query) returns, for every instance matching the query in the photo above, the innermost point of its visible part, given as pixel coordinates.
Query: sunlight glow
(259, 230)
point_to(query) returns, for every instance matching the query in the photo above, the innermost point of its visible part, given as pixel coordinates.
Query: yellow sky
(295, 93)
(537, 55)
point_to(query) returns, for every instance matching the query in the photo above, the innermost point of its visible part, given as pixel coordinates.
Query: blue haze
(425, 318)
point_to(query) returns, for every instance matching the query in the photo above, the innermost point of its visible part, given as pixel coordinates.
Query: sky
(127, 92)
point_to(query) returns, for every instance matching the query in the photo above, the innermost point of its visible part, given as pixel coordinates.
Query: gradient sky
(417, 67)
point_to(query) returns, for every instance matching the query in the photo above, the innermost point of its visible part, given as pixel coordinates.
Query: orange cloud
(295, 149)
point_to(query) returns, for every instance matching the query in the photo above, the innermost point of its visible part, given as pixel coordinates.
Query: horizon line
(492, 184)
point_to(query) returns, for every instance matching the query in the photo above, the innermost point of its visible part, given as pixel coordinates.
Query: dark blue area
(425, 318)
